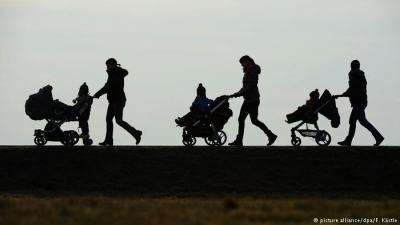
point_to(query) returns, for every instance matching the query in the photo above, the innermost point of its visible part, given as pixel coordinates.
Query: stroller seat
(325, 106)
(209, 125)
(303, 113)
(60, 111)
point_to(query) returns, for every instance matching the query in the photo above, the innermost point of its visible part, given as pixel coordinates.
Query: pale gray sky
(171, 46)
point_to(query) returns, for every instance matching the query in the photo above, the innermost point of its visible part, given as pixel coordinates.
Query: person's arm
(101, 92)
(83, 98)
(194, 103)
(242, 91)
(209, 102)
(346, 93)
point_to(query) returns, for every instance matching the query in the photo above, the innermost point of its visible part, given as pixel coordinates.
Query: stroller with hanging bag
(325, 106)
(41, 106)
(209, 125)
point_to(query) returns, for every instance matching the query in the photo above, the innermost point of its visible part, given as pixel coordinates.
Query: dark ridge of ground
(151, 171)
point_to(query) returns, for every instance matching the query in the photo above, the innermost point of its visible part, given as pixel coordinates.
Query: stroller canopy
(38, 105)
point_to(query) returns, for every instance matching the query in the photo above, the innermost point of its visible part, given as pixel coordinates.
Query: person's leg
(352, 128)
(118, 110)
(83, 123)
(364, 122)
(188, 117)
(110, 127)
(254, 119)
(244, 112)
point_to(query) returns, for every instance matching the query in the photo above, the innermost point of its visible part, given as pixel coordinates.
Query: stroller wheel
(40, 140)
(208, 141)
(189, 140)
(323, 139)
(87, 142)
(219, 138)
(296, 141)
(71, 137)
(74, 137)
(222, 137)
(213, 140)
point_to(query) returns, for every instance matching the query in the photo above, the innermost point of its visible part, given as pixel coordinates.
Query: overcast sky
(169, 47)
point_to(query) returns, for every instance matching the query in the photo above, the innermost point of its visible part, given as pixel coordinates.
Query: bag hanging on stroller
(329, 110)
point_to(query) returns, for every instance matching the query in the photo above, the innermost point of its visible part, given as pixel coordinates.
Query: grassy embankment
(177, 185)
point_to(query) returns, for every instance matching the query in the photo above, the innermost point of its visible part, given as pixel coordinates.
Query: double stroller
(41, 106)
(325, 106)
(208, 125)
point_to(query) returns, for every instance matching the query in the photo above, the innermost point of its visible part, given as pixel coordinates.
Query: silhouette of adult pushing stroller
(357, 94)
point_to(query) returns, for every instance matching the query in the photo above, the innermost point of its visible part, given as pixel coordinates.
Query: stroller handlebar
(337, 96)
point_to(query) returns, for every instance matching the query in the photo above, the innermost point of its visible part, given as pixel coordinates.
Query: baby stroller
(41, 106)
(209, 125)
(326, 106)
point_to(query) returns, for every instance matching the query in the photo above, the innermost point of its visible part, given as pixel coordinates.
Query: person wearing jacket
(85, 104)
(251, 96)
(116, 99)
(199, 106)
(357, 93)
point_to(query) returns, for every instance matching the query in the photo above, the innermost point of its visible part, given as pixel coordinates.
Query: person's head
(314, 95)
(355, 65)
(111, 63)
(84, 89)
(246, 61)
(201, 91)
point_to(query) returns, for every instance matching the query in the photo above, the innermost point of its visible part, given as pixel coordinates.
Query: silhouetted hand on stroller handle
(232, 96)
(337, 96)
(75, 100)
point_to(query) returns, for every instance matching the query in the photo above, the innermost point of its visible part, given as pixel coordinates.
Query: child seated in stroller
(199, 107)
(305, 112)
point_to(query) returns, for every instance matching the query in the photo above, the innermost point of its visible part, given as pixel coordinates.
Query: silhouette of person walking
(116, 99)
(251, 102)
(357, 93)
